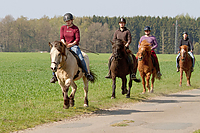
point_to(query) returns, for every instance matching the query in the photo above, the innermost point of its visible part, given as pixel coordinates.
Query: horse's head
(118, 49)
(144, 50)
(56, 52)
(183, 52)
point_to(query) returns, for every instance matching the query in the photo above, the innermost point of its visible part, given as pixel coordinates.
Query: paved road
(175, 113)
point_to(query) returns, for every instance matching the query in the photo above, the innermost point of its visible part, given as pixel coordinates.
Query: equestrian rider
(70, 36)
(125, 35)
(152, 40)
(185, 41)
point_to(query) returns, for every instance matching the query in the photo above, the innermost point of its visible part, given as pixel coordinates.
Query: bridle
(57, 63)
(117, 55)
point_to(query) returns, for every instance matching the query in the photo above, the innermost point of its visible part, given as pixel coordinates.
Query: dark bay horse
(145, 66)
(67, 70)
(185, 64)
(120, 67)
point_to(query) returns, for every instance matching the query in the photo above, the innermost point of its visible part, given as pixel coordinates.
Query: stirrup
(108, 76)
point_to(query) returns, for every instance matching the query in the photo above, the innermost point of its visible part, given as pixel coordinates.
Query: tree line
(32, 35)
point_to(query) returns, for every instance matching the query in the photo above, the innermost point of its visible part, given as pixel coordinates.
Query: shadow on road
(121, 112)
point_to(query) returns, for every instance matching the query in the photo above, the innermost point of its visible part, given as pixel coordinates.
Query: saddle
(77, 58)
(78, 62)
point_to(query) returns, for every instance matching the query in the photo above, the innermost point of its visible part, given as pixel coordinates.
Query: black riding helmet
(67, 17)
(122, 20)
(184, 32)
(147, 28)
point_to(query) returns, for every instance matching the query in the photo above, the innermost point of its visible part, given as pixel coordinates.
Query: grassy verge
(28, 99)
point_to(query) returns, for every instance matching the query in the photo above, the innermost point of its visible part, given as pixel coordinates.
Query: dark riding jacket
(186, 42)
(124, 35)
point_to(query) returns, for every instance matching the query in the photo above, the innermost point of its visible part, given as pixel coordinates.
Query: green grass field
(27, 98)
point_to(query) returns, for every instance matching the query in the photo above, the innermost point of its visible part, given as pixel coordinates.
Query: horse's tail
(94, 75)
(137, 80)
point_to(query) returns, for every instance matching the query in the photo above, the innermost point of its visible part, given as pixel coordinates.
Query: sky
(36, 9)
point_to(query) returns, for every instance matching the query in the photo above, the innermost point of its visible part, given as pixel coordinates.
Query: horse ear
(50, 45)
(112, 42)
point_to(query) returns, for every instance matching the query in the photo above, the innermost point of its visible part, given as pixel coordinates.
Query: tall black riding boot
(109, 64)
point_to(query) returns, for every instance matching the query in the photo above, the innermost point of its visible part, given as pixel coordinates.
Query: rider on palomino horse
(123, 34)
(70, 36)
(185, 41)
(152, 40)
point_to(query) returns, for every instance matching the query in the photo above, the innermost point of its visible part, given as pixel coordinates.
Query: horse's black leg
(129, 89)
(124, 81)
(113, 87)
(66, 98)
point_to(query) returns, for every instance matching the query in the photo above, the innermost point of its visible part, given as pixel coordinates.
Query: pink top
(152, 40)
(70, 34)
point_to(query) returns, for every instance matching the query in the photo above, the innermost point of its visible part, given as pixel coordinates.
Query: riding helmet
(147, 28)
(122, 20)
(67, 16)
(184, 32)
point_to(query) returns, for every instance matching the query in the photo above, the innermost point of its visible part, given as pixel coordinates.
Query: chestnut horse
(145, 66)
(120, 67)
(67, 70)
(185, 64)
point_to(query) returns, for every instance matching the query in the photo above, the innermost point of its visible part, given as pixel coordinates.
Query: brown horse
(145, 66)
(185, 64)
(120, 67)
(67, 70)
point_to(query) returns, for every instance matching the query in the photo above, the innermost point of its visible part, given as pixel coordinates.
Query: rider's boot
(109, 73)
(178, 69)
(53, 79)
(89, 77)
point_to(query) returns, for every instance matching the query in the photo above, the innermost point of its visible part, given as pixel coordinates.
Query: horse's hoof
(188, 85)
(71, 103)
(151, 91)
(127, 96)
(112, 97)
(124, 92)
(85, 105)
(143, 92)
(65, 106)
(180, 85)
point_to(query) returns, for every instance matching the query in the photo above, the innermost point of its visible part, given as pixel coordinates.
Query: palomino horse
(120, 67)
(145, 65)
(67, 71)
(185, 64)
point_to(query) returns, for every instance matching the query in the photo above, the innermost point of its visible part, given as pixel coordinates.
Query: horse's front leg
(188, 75)
(113, 87)
(148, 75)
(85, 81)
(65, 93)
(181, 77)
(124, 89)
(72, 95)
(152, 81)
(143, 83)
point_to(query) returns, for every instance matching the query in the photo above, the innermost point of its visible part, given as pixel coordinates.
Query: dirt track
(175, 113)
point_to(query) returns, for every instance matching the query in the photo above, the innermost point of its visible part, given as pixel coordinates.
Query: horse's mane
(119, 42)
(145, 44)
(60, 46)
(185, 47)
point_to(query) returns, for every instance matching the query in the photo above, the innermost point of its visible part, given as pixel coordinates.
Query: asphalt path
(174, 113)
